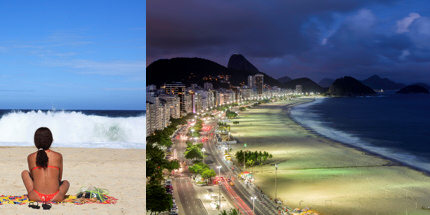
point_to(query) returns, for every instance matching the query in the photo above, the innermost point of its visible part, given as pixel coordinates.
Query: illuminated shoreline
(314, 169)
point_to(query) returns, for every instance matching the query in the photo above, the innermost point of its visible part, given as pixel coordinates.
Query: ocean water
(392, 125)
(79, 128)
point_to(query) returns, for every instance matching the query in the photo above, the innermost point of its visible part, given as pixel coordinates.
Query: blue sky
(73, 55)
(306, 38)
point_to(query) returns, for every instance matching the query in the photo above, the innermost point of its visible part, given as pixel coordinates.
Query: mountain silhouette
(376, 82)
(239, 62)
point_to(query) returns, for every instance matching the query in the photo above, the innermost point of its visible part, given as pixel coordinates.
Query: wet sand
(332, 178)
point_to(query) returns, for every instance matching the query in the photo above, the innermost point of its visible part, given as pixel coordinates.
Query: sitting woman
(43, 181)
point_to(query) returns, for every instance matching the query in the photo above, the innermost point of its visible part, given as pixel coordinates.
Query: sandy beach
(328, 176)
(121, 171)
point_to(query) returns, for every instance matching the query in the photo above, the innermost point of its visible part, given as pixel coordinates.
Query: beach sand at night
(121, 171)
(328, 176)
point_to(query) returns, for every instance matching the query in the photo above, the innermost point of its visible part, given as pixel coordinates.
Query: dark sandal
(34, 205)
(46, 206)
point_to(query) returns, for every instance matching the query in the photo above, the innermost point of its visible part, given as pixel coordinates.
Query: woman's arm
(29, 166)
(61, 166)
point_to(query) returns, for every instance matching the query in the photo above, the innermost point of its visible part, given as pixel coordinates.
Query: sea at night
(393, 125)
(120, 129)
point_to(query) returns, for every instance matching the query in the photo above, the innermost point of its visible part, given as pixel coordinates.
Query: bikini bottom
(45, 197)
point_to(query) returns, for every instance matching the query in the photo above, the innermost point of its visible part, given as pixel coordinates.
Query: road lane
(225, 170)
(189, 198)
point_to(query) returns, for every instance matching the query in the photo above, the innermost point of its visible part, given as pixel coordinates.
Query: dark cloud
(250, 27)
(293, 38)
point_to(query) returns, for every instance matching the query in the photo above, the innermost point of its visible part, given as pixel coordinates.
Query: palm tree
(223, 212)
(232, 211)
(270, 156)
(260, 156)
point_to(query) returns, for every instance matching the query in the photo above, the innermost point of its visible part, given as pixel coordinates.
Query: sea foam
(73, 129)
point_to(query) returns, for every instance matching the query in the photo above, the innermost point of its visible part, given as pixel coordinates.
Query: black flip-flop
(46, 206)
(34, 205)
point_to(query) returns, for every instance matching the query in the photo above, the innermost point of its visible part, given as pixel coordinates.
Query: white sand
(121, 171)
(328, 176)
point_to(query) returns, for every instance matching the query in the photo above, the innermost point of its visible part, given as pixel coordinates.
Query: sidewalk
(252, 190)
(207, 202)
(202, 196)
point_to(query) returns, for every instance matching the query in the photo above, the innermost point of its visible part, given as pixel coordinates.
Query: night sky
(306, 38)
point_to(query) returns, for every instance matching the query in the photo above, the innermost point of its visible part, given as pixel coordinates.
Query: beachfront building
(204, 104)
(237, 96)
(165, 114)
(148, 116)
(224, 96)
(207, 99)
(231, 97)
(196, 98)
(251, 81)
(188, 104)
(216, 98)
(247, 93)
(197, 102)
(211, 98)
(158, 113)
(153, 124)
(178, 89)
(227, 97)
(173, 104)
(259, 83)
(298, 89)
(219, 98)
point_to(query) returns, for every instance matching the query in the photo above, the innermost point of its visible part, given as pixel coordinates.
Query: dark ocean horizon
(393, 125)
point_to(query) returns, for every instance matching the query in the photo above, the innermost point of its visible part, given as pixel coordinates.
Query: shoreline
(330, 176)
(369, 152)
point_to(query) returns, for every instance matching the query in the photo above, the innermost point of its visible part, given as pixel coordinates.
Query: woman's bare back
(46, 180)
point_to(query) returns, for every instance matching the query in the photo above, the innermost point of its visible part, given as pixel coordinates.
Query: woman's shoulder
(56, 155)
(32, 155)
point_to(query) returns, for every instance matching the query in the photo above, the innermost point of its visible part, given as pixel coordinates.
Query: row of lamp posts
(219, 176)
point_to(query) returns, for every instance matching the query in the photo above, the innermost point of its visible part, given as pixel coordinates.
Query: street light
(276, 174)
(253, 198)
(219, 187)
(244, 156)
(203, 150)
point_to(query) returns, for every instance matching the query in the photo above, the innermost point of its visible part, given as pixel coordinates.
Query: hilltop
(239, 62)
(376, 82)
(307, 85)
(423, 85)
(284, 79)
(413, 89)
(326, 82)
(199, 71)
(349, 86)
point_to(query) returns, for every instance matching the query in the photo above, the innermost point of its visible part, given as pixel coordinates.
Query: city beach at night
(329, 176)
(288, 107)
